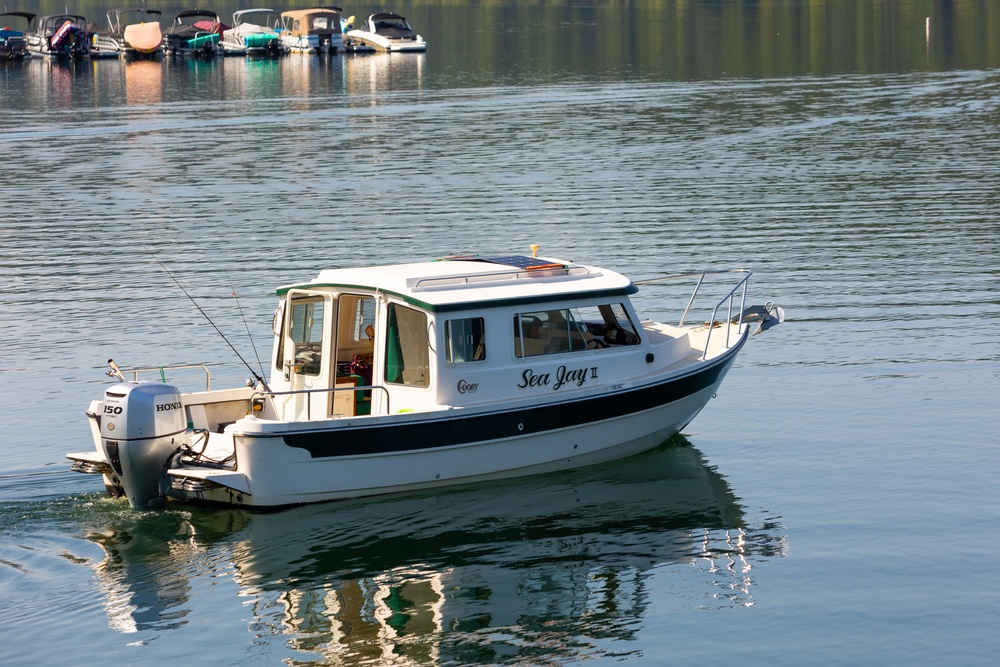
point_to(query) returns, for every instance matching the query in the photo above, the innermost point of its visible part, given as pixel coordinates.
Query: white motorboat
(131, 32)
(387, 32)
(421, 375)
(255, 32)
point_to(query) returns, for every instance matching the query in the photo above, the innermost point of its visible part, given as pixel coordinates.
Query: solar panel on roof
(516, 261)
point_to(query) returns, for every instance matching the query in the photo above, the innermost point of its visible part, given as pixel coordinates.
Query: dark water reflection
(556, 567)
(511, 41)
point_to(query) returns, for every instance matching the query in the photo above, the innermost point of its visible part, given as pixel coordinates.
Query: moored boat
(135, 33)
(194, 32)
(58, 36)
(13, 45)
(315, 30)
(421, 375)
(254, 33)
(387, 32)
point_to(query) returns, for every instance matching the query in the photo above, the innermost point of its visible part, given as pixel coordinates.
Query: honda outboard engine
(142, 426)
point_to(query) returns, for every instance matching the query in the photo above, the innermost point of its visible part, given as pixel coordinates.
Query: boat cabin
(390, 25)
(458, 332)
(317, 21)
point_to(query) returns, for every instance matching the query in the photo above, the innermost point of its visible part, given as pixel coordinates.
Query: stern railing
(293, 392)
(119, 373)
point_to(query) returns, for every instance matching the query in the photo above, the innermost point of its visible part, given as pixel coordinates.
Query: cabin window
(465, 340)
(306, 332)
(607, 325)
(320, 23)
(572, 330)
(277, 326)
(364, 320)
(407, 360)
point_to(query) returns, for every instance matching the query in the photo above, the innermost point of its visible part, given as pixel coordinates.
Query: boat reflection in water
(563, 562)
(143, 82)
(373, 74)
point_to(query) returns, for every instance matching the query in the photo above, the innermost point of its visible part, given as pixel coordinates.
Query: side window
(407, 360)
(306, 332)
(572, 330)
(364, 319)
(465, 340)
(545, 332)
(606, 325)
(278, 326)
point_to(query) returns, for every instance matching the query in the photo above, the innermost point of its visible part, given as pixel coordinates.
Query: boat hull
(253, 44)
(364, 457)
(313, 43)
(384, 44)
(74, 48)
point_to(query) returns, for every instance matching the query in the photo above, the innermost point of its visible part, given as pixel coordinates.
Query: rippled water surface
(835, 504)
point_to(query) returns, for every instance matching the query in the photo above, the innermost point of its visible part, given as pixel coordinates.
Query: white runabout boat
(387, 32)
(414, 376)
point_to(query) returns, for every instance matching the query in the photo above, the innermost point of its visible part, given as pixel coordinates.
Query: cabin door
(356, 329)
(307, 354)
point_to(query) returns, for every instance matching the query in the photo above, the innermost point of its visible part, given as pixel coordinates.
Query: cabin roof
(317, 11)
(474, 281)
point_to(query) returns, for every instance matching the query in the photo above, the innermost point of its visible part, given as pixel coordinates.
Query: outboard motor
(142, 426)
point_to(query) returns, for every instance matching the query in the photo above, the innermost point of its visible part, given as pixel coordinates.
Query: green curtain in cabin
(394, 364)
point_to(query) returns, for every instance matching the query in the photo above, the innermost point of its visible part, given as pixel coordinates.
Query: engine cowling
(142, 426)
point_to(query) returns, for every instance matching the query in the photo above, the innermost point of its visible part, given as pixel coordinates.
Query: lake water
(836, 504)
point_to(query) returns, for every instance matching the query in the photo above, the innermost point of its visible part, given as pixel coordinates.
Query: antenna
(243, 317)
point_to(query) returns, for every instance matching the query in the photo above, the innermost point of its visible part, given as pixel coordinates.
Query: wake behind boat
(415, 376)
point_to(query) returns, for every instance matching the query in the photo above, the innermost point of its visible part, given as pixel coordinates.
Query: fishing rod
(257, 377)
(243, 317)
